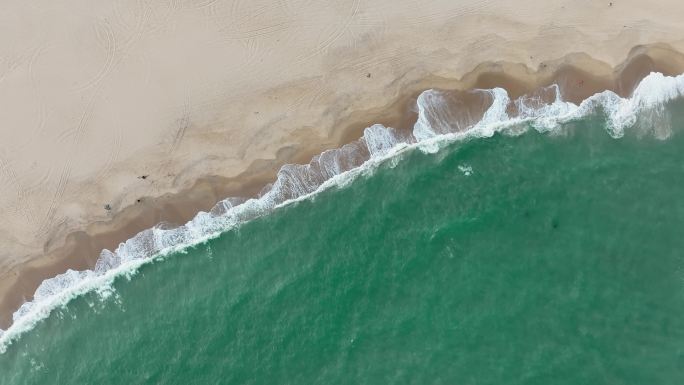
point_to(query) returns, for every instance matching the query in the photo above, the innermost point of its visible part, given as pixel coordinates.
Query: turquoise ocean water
(537, 258)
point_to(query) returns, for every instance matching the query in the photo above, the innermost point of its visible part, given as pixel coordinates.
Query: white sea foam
(437, 125)
(465, 169)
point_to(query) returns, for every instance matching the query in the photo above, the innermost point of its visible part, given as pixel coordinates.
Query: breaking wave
(443, 117)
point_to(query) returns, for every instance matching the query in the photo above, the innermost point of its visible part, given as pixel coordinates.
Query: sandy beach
(120, 115)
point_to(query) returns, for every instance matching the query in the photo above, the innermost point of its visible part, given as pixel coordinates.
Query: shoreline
(577, 75)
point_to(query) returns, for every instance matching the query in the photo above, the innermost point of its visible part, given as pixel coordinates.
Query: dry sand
(208, 98)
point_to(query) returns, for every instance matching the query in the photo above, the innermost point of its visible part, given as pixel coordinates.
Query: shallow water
(528, 259)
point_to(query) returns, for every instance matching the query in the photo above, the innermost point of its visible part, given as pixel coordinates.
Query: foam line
(438, 124)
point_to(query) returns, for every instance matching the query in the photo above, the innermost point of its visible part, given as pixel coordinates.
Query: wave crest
(443, 117)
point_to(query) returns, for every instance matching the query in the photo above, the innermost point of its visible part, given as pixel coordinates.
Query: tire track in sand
(182, 125)
(105, 34)
(244, 23)
(205, 4)
(115, 147)
(138, 30)
(65, 174)
(42, 109)
(49, 216)
(8, 173)
(335, 35)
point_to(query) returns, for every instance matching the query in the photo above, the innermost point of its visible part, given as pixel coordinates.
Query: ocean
(546, 249)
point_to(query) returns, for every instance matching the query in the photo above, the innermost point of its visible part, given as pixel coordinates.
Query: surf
(439, 123)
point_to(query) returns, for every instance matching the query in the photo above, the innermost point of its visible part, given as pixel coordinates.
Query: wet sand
(223, 135)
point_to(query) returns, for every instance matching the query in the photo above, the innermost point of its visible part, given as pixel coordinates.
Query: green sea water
(529, 259)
